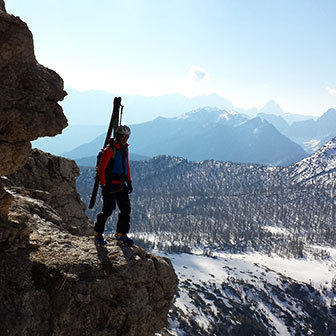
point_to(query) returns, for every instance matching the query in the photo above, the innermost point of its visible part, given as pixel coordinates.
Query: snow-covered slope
(317, 168)
(253, 294)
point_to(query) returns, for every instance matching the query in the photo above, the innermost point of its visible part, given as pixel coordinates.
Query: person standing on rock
(115, 180)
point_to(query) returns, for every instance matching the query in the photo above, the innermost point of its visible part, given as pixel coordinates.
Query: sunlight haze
(245, 51)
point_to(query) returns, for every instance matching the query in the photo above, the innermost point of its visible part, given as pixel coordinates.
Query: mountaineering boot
(99, 239)
(121, 237)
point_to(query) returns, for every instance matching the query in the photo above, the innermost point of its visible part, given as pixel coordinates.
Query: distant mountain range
(310, 133)
(94, 107)
(71, 137)
(206, 134)
(272, 108)
(88, 114)
(313, 133)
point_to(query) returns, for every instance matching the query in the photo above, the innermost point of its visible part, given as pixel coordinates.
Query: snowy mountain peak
(272, 108)
(208, 115)
(228, 114)
(204, 111)
(201, 113)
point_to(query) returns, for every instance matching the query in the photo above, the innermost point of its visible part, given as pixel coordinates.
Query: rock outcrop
(53, 279)
(52, 179)
(63, 284)
(51, 275)
(28, 108)
(29, 95)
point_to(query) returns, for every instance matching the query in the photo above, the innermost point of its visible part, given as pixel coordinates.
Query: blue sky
(247, 51)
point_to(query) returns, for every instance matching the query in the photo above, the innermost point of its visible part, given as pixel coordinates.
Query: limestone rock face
(29, 95)
(53, 180)
(64, 285)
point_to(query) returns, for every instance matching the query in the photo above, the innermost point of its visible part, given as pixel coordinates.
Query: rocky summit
(53, 279)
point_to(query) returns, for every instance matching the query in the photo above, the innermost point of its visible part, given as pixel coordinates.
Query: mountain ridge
(317, 168)
(93, 108)
(312, 133)
(205, 134)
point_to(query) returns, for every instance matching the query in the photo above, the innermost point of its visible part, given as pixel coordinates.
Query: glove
(105, 189)
(129, 186)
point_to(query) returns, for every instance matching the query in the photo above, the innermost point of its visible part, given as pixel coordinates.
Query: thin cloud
(331, 91)
(198, 74)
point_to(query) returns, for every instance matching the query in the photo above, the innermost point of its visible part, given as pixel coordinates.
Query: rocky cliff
(53, 279)
(29, 95)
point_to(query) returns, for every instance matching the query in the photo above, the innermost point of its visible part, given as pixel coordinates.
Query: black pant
(109, 204)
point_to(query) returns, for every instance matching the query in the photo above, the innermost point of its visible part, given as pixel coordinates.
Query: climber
(115, 180)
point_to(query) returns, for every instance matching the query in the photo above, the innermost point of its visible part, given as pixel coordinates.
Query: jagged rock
(29, 95)
(52, 179)
(2, 5)
(65, 285)
(56, 283)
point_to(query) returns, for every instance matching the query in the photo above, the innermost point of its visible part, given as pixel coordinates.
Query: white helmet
(124, 130)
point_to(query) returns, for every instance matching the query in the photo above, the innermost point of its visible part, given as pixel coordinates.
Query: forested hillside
(178, 205)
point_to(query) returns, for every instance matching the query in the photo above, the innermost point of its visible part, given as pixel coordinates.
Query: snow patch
(277, 230)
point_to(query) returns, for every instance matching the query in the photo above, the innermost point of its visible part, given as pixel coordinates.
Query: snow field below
(248, 279)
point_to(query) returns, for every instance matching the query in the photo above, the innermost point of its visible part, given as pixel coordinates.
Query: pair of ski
(114, 123)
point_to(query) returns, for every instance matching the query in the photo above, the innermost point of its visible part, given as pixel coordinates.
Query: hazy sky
(248, 51)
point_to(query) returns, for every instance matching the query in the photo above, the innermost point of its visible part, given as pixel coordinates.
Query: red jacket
(114, 164)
